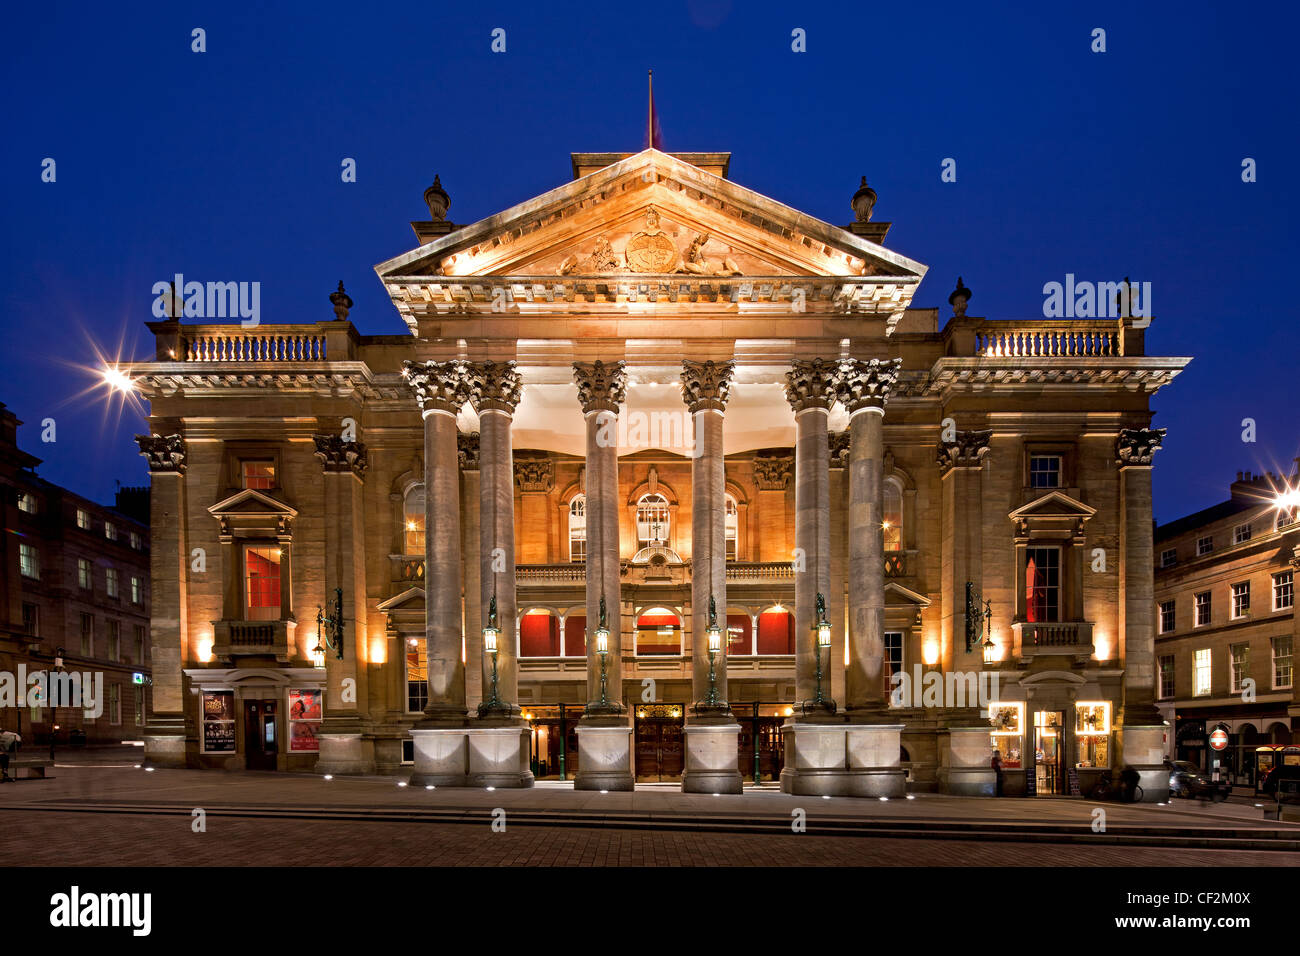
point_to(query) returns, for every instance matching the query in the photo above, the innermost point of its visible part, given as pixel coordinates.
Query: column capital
(339, 456)
(1136, 447)
(706, 385)
(438, 386)
(164, 453)
(535, 475)
(494, 386)
(865, 384)
(810, 384)
(772, 472)
(601, 387)
(467, 451)
(966, 450)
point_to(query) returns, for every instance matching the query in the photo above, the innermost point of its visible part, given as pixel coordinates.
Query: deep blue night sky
(225, 165)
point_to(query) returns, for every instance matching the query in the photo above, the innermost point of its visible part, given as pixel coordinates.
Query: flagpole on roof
(650, 112)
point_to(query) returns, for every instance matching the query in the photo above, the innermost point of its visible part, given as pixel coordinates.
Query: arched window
(578, 529)
(539, 634)
(732, 525)
(652, 521)
(413, 521)
(892, 501)
(658, 631)
(776, 631)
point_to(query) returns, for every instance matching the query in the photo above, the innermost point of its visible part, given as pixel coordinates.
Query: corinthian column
(705, 388)
(863, 389)
(1141, 728)
(164, 733)
(604, 734)
(810, 389)
(495, 390)
(712, 757)
(441, 390)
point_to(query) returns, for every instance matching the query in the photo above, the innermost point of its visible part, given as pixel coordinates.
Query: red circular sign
(1219, 739)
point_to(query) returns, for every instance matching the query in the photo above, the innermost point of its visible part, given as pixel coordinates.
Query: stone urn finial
(863, 201)
(960, 296)
(438, 200)
(342, 302)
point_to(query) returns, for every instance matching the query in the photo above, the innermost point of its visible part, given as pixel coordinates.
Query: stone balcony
(1065, 638)
(253, 639)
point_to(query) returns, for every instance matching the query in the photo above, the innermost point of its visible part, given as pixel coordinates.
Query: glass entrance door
(1048, 740)
(261, 739)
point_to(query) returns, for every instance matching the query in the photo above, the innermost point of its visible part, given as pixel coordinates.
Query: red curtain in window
(776, 632)
(1035, 597)
(263, 581)
(739, 634)
(575, 635)
(539, 635)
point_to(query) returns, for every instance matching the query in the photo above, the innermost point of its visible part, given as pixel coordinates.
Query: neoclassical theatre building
(662, 481)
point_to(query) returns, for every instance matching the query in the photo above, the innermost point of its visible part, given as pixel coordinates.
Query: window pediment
(251, 512)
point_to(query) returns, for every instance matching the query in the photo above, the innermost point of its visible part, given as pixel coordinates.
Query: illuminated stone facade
(656, 388)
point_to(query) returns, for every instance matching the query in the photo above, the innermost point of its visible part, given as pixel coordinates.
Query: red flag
(653, 136)
(1031, 591)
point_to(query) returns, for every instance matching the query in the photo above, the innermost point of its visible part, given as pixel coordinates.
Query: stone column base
(964, 762)
(498, 753)
(343, 754)
(712, 756)
(441, 757)
(839, 759)
(164, 742)
(604, 754)
(1142, 748)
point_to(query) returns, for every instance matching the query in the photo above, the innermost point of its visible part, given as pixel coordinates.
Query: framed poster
(304, 720)
(218, 721)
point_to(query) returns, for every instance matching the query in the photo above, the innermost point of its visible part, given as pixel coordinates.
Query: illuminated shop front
(1054, 748)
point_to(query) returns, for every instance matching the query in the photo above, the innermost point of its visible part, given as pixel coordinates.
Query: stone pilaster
(1140, 728)
(810, 389)
(605, 733)
(343, 746)
(772, 475)
(536, 479)
(441, 389)
(164, 733)
(961, 465)
(863, 388)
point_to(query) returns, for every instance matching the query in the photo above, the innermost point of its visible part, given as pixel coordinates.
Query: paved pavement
(99, 808)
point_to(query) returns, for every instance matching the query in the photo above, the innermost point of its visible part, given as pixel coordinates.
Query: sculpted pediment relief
(651, 214)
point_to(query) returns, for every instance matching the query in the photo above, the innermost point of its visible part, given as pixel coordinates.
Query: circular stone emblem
(651, 252)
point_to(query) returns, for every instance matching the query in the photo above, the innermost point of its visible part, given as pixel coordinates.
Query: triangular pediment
(902, 595)
(1053, 505)
(250, 501)
(652, 214)
(409, 599)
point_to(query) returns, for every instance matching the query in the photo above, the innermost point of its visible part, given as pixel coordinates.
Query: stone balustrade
(1079, 337)
(263, 343)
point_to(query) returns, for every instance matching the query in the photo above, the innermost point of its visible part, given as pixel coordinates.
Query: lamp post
(329, 628)
(821, 643)
(602, 648)
(494, 705)
(977, 619)
(713, 634)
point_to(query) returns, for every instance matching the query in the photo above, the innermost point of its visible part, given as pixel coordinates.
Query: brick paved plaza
(102, 810)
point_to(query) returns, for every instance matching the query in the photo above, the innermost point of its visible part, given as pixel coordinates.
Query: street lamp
(821, 644)
(491, 638)
(329, 628)
(977, 619)
(713, 634)
(603, 706)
